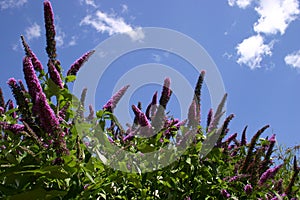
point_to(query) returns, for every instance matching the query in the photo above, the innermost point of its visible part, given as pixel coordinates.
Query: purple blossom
(270, 173)
(142, 119)
(225, 193)
(209, 118)
(54, 75)
(15, 128)
(47, 116)
(166, 93)
(78, 63)
(248, 189)
(34, 87)
(113, 101)
(35, 61)
(50, 30)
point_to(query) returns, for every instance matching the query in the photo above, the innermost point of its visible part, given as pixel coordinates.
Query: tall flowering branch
(244, 139)
(50, 30)
(113, 101)
(219, 113)
(224, 128)
(141, 117)
(31, 79)
(54, 75)
(166, 93)
(267, 159)
(19, 96)
(251, 147)
(197, 95)
(35, 61)
(50, 124)
(79, 62)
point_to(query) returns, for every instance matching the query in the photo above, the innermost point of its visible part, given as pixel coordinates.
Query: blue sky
(254, 43)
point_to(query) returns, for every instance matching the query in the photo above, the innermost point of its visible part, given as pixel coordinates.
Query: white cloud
(102, 22)
(240, 3)
(293, 59)
(33, 31)
(252, 50)
(6, 4)
(89, 2)
(275, 15)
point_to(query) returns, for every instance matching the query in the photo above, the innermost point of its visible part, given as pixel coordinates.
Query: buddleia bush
(44, 155)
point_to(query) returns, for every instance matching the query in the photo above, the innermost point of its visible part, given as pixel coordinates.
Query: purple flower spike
(78, 63)
(32, 81)
(225, 193)
(166, 93)
(270, 173)
(35, 61)
(47, 117)
(54, 75)
(273, 138)
(1, 110)
(2, 102)
(113, 101)
(50, 30)
(142, 119)
(248, 189)
(15, 128)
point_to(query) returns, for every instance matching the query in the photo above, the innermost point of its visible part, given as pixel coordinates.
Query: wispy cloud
(105, 23)
(6, 4)
(293, 59)
(89, 3)
(124, 8)
(33, 31)
(73, 41)
(240, 3)
(252, 50)
(274, 17)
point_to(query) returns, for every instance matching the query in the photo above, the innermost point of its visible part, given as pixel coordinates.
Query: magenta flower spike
(78, 63)
(166, 93)
(54, 75)
(270, 173)
(15, 128)
(34, 87)
(50, 30)
(142, 119)
(113, 101)
(35, 61)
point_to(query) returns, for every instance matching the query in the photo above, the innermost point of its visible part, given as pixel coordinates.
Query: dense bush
(43, 154)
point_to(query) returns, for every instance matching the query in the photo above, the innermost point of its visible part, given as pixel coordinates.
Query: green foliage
(33, 166)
